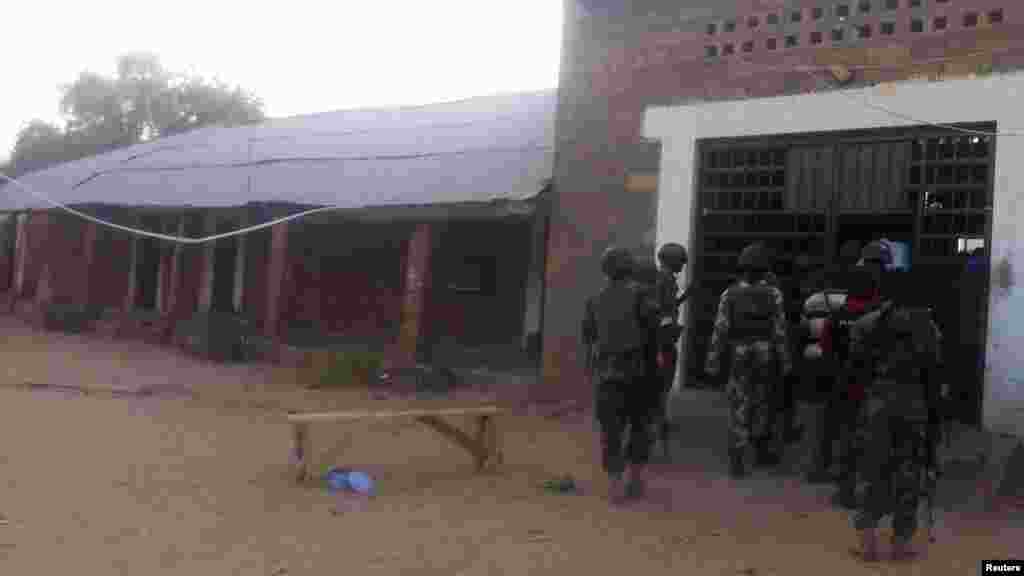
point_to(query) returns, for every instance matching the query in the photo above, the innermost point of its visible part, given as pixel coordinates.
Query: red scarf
(860, 304)
(856, 391)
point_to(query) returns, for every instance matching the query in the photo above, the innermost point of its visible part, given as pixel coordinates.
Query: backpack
(619, 321)
(752, 313)
(903, 346)
(819, 316)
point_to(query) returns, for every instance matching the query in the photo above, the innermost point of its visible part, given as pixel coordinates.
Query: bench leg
(301, 450)
(494, 442)
(482, 435)
(471, 443)
(487, 439)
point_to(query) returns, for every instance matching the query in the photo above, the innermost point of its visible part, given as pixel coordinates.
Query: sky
(298, 56)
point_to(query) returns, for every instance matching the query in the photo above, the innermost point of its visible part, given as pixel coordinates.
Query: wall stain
(1002, 275)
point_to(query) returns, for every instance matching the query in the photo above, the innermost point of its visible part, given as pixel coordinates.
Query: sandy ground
(117, 483)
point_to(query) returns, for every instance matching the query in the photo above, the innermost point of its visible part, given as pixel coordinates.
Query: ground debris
(537, 536)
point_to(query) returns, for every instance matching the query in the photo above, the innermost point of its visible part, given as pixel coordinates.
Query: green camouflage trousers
(751, 389)
(892, 465)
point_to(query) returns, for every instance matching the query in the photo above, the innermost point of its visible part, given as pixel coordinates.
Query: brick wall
(345, 277)
(186, 299)
(36, 234)
(65, 255)
(348, 278)
(617, 61)
(8, 229)
(257, 253)
(494, 317)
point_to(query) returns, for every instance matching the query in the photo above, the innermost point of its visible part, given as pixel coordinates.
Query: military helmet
(616, 262)
(901, 321)
(850, 251)
(673, 256)
(755, 258)
(876, 252)
(644, 271)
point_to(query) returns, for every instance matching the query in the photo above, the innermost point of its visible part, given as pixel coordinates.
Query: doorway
(864, 228)
(927, 189)
(147, 262)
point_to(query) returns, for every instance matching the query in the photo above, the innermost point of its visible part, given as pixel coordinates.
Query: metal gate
(930, 188)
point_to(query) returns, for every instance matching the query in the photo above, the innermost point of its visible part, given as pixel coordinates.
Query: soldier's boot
(845, 498)
(637, 485)
(820, 476)
(736, 467)
(901, 549)
(616, 488)
(767, 455)
(666, 444)
(868, 550)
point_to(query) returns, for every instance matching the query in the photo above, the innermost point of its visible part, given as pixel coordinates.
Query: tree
(143, 101)
(38, 144)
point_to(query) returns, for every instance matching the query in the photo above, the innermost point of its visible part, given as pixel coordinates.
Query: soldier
(751, 320)
(864, 295)
(894, 350)
(838, 278)
(819, 365)
(672, 258)
(616, 327)
(796, 294)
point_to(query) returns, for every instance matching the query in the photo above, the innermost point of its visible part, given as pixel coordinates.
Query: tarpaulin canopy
(472, 151)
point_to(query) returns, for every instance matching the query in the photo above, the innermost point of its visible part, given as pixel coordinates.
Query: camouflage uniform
(897, 359)
(620, 344)
(668, 332)
(755, 369)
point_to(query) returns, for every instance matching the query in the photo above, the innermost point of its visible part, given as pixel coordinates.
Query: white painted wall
(994, 98)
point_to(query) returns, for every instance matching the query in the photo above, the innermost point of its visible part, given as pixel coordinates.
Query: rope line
(811, 70)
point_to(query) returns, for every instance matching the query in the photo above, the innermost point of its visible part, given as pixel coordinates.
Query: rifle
(930, 485)
(934, 431)
(589, 367)
(588, 343)
(929, 482)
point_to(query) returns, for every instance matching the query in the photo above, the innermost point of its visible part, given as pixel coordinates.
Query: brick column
(20, 253)
(44, 258)
(417, 282)
(133, 266)
(88, 257)
(278, 260)
(239, 297)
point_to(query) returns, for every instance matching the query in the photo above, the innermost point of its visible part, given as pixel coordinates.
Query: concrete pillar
(20, 253)
(133, 267)
(174, 271)
(162, 269)
(44, 257)
(238, 298)
(278, 260)
(8, 224)
(417, 282)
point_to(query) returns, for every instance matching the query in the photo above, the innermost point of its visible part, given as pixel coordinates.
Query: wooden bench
(483, 446)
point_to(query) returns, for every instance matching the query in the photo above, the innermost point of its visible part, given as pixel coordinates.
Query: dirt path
(163, 485)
